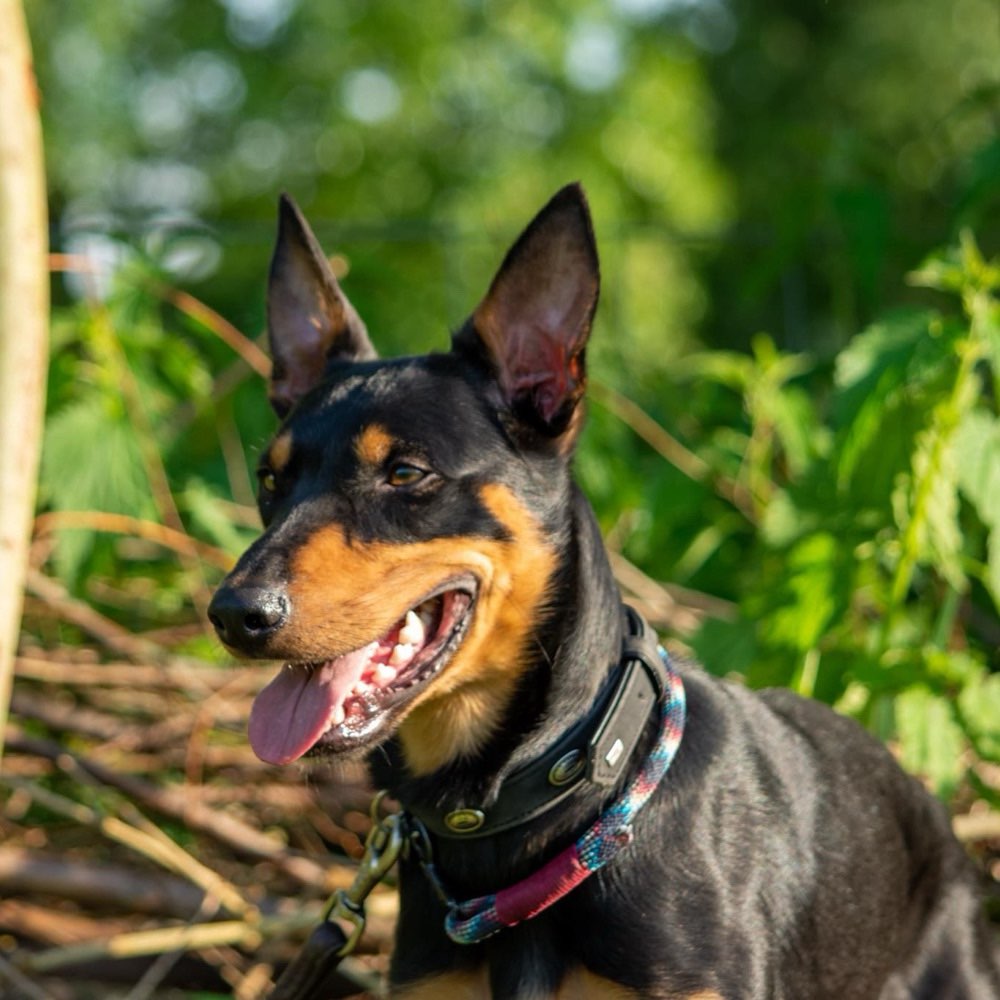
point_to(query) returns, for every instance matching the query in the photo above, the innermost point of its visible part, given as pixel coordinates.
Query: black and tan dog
(439, 588)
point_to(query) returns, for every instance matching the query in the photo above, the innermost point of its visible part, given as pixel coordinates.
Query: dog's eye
(405, 474)
(268, 482)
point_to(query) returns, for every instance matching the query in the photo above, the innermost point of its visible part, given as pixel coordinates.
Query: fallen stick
(192, 937)
(196, 679)
(124, 524)
(146, 840)
(84, 617)
(90, 883)
(177, 804)
(21, 982)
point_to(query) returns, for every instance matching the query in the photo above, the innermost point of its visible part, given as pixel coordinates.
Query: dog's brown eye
(404, 474)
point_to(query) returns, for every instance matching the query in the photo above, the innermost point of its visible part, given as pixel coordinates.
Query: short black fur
(785, 856)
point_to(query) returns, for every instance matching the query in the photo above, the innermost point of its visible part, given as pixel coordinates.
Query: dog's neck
(581, 639)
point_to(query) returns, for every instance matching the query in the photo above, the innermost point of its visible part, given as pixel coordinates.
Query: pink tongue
(293, 711)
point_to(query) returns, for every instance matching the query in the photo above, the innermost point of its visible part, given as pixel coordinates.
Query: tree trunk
(24, 310)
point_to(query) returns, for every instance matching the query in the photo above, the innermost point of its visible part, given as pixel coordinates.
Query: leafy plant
(870, 570)
(140, 447)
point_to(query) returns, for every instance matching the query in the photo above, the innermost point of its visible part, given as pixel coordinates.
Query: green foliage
(133, 429)
(751, 166)
(868, 571)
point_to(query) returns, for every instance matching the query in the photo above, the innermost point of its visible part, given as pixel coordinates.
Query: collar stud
(567, 768)
(465, 820)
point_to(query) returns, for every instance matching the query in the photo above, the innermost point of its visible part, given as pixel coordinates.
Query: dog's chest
(579, 984)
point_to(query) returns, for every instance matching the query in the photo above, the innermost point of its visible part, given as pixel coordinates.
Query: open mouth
(345, 702)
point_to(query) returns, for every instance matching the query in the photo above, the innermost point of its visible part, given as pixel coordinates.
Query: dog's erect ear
(535, 320)
(309, 320)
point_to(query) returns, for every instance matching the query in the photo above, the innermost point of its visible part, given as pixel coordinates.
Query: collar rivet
(566, 768)
(465, 820)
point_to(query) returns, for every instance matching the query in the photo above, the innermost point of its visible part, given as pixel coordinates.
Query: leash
(473, 920)
(328, 944)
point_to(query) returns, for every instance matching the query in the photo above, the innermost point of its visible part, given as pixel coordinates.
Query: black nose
(247, 617)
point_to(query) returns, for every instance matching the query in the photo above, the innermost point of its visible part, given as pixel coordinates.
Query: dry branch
(173, 802)
(192, 678)
(84, 617)
(666, 445)
(114, 887)
(123, 524)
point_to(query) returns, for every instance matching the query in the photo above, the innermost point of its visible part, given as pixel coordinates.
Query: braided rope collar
(476, 919)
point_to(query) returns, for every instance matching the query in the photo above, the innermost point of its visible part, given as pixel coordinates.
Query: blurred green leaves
(878, 589)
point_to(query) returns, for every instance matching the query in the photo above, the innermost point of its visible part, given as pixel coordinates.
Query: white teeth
(413, 632)
(384, 675)
(426, 615)
(401, 655)
(338, 715)
(360, 689)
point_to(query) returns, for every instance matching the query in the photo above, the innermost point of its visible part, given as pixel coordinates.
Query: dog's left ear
(309, 320)
(534, 322)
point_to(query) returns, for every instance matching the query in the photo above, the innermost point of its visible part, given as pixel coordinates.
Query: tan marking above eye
(280, 452)
(373, 444)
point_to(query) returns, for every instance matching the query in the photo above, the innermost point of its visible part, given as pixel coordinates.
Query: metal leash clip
(328, 943)
(382, 849)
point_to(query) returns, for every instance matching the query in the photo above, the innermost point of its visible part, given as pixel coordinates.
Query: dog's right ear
(309, 320)
(532, 326)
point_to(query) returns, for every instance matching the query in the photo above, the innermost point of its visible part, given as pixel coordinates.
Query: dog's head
(414, 508)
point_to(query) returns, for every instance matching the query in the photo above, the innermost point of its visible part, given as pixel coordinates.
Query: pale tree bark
(24, 313)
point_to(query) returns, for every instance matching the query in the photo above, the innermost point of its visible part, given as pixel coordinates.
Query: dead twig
(175, 803)
(973, 827)
(117, 887)
(670, 607)
(159, 940)
(196, 680)
(84, 617)
(219, 325)
(145, 839)
(123, 524)
(20, 982)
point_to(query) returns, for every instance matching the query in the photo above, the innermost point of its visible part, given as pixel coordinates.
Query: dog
(439, 588)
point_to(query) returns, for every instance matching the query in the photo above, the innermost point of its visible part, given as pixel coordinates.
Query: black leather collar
(595, 750)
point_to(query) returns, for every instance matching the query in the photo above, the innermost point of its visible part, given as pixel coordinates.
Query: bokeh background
(793, 442)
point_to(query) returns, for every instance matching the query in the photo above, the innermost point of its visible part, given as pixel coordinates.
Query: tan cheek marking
(457, 713)
(373, 444)
(345, 594)
(451, 985)
(578, 985)
(583, 985)
(280, 452)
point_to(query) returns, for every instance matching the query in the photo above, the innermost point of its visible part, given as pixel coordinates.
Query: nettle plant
(871, 577)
